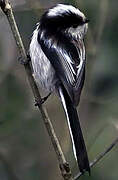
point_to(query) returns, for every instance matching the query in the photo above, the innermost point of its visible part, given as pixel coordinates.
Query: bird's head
(64, 18)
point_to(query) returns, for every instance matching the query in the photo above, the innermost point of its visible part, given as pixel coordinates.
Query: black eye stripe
(75, 25)
(62, 21)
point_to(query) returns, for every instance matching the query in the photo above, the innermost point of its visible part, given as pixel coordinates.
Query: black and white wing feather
(68, 59)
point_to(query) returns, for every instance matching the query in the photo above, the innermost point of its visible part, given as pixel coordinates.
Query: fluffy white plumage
(44, 44)
(44, 69)
(62, 8)
(43, 72)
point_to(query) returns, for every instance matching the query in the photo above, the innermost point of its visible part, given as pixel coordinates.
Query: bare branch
(64, 166)
(96, 160)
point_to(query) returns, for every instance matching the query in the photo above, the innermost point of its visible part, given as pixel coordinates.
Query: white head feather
(62, 8)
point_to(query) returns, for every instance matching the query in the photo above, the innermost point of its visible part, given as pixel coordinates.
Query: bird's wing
(67, 58)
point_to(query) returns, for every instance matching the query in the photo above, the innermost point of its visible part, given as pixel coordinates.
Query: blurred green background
(26, 152)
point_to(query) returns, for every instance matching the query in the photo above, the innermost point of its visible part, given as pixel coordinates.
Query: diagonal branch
(64, 166)
(96, 160)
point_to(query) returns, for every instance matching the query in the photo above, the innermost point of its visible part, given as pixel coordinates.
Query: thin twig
(64, 166)
(96, 160)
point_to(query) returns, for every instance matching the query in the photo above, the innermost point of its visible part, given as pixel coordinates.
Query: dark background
(26, 152)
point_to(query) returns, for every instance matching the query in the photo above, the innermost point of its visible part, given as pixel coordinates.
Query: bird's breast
(43, 71)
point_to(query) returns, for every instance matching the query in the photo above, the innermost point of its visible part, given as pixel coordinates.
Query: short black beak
(86, 21)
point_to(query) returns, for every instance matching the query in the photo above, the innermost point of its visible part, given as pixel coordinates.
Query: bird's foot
(37, 103)
(23, 60)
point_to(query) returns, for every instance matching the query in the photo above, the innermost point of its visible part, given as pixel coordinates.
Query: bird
(58, 60)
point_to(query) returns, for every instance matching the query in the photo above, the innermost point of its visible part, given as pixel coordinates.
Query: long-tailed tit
(58, 59)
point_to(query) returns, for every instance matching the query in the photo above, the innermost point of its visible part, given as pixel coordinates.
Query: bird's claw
(24, 60)
(39, 103)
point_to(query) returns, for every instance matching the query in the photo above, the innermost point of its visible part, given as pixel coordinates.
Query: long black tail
(75, 131)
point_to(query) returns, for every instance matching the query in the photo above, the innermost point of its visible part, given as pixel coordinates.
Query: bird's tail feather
(79, 147)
